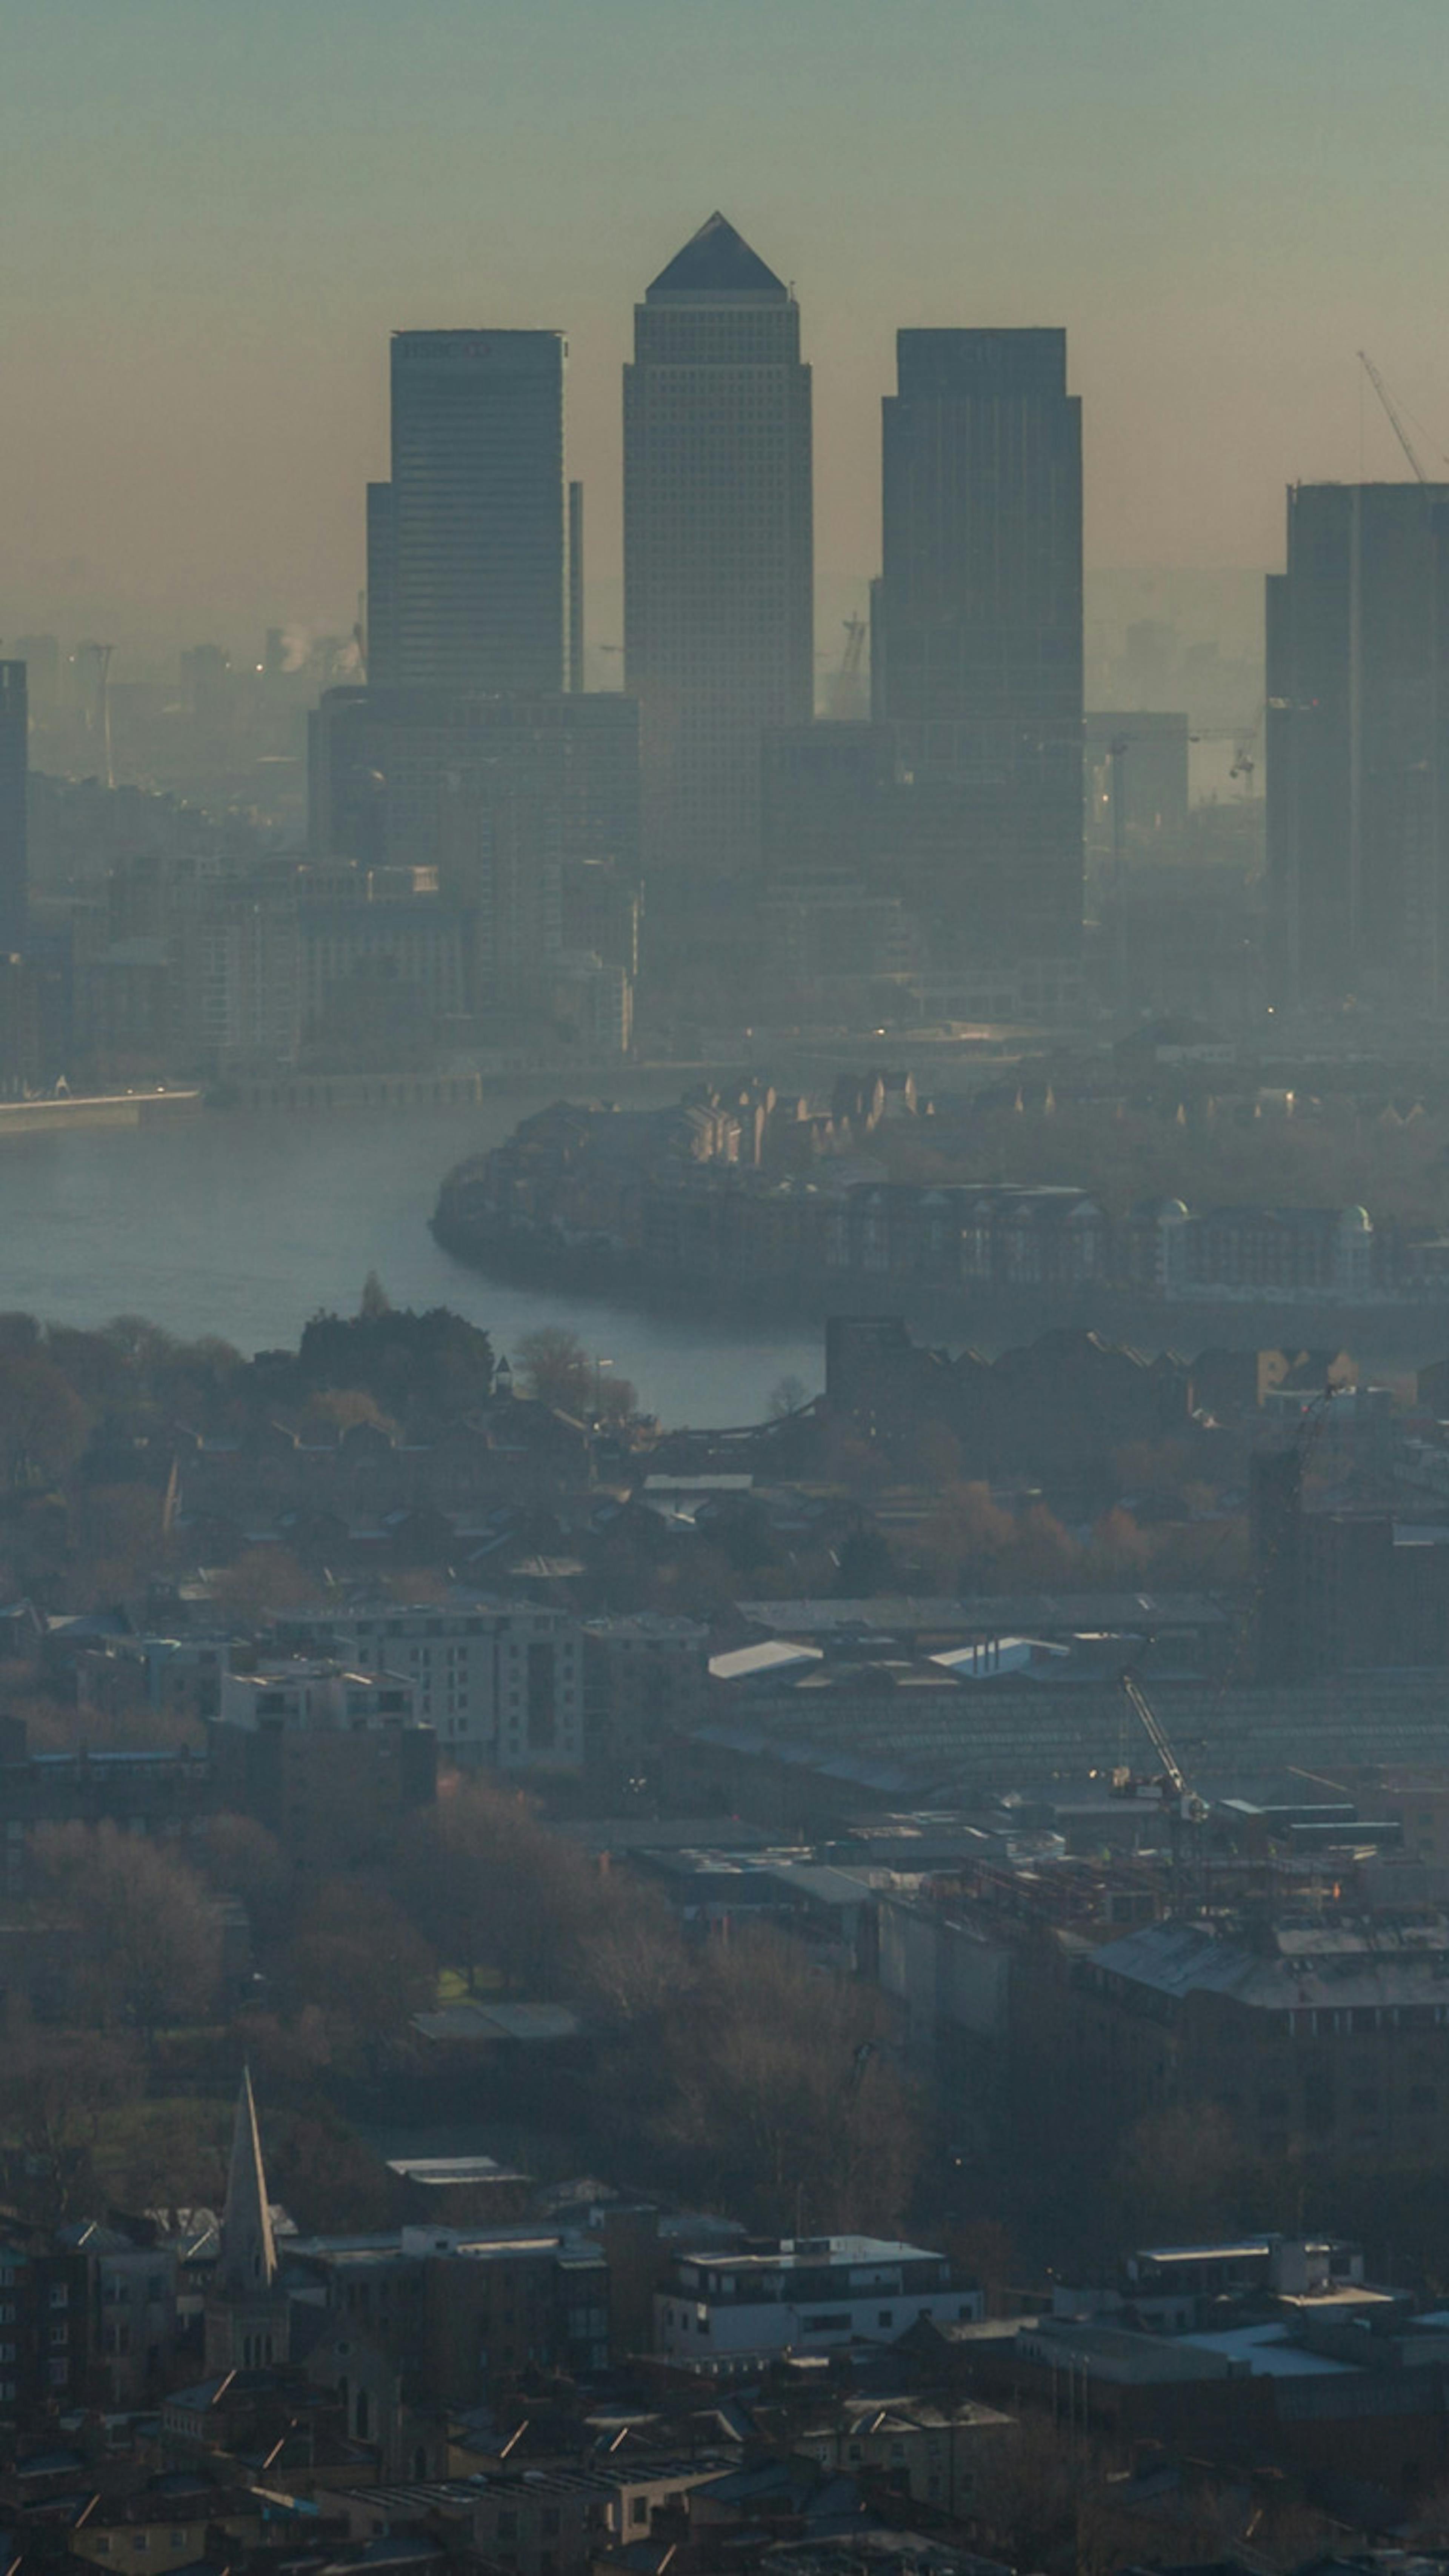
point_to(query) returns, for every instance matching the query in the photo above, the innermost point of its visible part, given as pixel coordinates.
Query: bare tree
(357, 1959)
(787, 2095)
(787, 1396)
(43, 1423)
(148, 1945)
(557, 1368)
(56, 2089)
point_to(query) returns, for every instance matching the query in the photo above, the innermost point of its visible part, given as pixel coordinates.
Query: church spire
(248, 2250)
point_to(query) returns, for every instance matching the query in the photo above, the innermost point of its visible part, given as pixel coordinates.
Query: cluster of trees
(556, 1369)
(741, 2076)
(1051, 2495)
(64, 1391)
(88, 1423)
(973, 1543)
(430, 1366)
(1334, 1157)
(744, 2075)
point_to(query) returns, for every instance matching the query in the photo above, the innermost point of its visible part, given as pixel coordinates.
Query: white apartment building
(802, 2294)
(501, 1683)
(314, 1695)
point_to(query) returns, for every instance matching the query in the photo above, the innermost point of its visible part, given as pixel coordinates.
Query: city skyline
(264, 208)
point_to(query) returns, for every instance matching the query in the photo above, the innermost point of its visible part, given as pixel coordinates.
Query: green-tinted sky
(213, 211)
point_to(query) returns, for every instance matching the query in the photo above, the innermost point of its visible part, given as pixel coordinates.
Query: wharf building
(976, 637)
(718, 549)
(1358, 746)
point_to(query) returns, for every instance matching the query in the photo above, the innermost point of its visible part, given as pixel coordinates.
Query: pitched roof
(716, 261)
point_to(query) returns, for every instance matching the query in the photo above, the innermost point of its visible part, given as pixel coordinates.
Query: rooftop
(491, 2021)
(1395, 1961)
(801, 2253)
(717, 261)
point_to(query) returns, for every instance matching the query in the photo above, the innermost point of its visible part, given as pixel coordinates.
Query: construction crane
(1172, 1780)
(843, 686)
(1244, 739)
(1395, 424)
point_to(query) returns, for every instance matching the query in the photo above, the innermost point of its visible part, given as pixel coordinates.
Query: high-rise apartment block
(718, 563)
(1358, 745)
(467, 544)
(14, 776)
(976, 636)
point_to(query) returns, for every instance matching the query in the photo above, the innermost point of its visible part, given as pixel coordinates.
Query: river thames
(243, 1224)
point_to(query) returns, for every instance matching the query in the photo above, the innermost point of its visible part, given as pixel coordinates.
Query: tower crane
(843, 686)
(1395, 424)
(1172, 1780)
(1244, 739)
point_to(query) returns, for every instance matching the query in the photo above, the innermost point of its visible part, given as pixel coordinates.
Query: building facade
(463, 2306)
(500, 1682)
(467, 545)
(976, 635)
(1358, 746)
(802, 2294)
(515, 801)
(332, 1760)
(718, 557)
(44, 2325)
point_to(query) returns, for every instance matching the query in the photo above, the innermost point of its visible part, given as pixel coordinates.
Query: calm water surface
(244, 1225)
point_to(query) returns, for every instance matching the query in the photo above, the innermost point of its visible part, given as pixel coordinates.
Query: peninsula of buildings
(750, 1194)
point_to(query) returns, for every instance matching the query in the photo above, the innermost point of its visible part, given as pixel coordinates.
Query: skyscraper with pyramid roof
(718, 557)
(246, 2307)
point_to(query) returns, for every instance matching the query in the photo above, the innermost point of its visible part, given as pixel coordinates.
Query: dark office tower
(1358, 746)
(1275, 1541)
(512, 800)
(14, 767)
(976, 634)
(471, 548)
(717, 546)
(576, 586)
(381, 622)
(41, 657)
(827, 791)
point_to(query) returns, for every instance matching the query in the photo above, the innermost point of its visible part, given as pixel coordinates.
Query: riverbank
(1397, 1336)
(97, 1109)
(244, 1224)
(314, 1092)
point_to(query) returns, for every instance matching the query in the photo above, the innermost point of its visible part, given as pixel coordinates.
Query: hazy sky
(212, 213)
